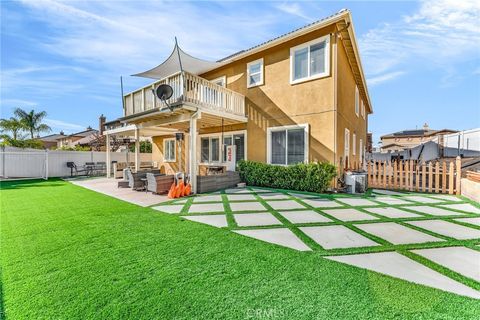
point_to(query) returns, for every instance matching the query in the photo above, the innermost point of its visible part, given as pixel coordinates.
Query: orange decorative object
(179, 189)
(188, 189)
(171, 192)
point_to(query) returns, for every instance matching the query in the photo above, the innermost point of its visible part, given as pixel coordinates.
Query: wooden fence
(435, 176)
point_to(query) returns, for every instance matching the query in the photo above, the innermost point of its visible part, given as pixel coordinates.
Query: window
(354, 144)
(361, 151)
(310, 60)
(356, 101)
(255, 73)
(210, 147)
(169, 150)
(347, 142)
(287, 145)
(362, 109)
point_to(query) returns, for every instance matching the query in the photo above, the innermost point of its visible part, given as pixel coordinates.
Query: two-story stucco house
(300, 97)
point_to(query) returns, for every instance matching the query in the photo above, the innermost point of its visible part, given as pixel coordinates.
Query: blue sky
(421, 59)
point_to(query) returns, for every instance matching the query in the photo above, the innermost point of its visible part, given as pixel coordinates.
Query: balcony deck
(189, 93)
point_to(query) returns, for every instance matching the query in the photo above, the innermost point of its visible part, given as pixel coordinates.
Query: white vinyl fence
(34, 163)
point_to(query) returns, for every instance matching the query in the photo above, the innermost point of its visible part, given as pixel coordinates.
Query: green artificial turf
(71, 253)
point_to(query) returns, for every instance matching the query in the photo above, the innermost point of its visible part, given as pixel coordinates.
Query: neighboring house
(406, 139)
(82, 138)
(300, 97)
(51, 141)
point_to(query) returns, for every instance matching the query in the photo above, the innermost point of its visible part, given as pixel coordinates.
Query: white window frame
(308, 45)
(165, 159)
(304, 126)
(261, 82)
(221, 81)
(219, 136)
(362, 109)
(354, 144)
(357, 101)
(361, 151)
(347, 143)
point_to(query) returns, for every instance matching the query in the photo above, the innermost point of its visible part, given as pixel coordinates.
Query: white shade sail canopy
(179, 61)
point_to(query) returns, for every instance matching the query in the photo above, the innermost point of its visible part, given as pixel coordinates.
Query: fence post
(444, 177)
(46, 164)
(450, 178)
(424, 177)
(3, 162)
(411, 175)
(458, 175)
(437, 177)
(400, 163)
(430, 177)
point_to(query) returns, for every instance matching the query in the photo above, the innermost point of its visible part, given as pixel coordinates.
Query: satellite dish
(164, 92)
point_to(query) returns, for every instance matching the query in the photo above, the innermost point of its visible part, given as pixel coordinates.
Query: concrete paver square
(206, 208)
(467, 207)
(388, 192)
(396, 233)
(247, 206)
(303, 195)
(399, 266)
(241, 197)
(216, 220)
(475, 221)
(280, 236)
(422, 199)
(434, 211)
(174, 208)
(392, 212)
(209, 198)
(304, 216)
(258, 190)
(459, 259)
(447, 197)
(349, 214)
(285, 205)
(391, 200)
(274, 196)
(448, 229)
(256, 219)
(333, 237)
(322, 203)
(237, 190)
(357, 202)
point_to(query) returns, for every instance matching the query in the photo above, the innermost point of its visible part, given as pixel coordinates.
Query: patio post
(193, 151)
(107, 151)
(137, 150)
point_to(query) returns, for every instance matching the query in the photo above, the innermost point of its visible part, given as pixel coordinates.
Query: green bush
(313, 177)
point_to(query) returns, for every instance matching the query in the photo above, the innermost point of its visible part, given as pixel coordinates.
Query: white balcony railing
(189, 89)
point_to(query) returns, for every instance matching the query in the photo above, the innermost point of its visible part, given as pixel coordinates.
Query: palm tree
(13, 125)
(32, 121)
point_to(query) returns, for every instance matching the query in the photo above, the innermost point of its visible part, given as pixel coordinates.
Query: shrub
(313, 177)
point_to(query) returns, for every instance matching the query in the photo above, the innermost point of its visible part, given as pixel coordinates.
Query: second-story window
(357, 101)
(310, 60)
(255, 73)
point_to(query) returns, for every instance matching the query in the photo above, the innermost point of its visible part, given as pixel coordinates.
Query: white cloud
(439, 35)
(59, 125)
(384, 77)
(293, 9)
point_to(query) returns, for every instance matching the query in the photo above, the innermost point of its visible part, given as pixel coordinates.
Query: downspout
(335, 101)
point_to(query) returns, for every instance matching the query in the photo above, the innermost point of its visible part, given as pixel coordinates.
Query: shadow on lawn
(36, 183)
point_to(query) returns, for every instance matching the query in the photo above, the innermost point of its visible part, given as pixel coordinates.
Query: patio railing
(190, 89)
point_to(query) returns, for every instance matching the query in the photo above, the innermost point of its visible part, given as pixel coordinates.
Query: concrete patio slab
(247, 206)
(304, 216)
(180, 201)
(256, 219)
(174, 208)
(448, 229)
(434, 211)
(399, 266)
(396, 233)
(274, 196)
(280, 236)
(217, 220)
(391, 200)
(422, 199)
(322, 203)
(334, 237)
(206, 208)
(209, 198)
(303, 195)
(258, 190)
(392, 212)
(459, 259)
(241, 197)
(349, 214)
(285, 205)
(474, 221)
(467, 207)
(237, 190)
(447, 197)
(357, 202)
(388, 192)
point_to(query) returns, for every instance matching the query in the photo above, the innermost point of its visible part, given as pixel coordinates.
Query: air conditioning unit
(356, 182)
